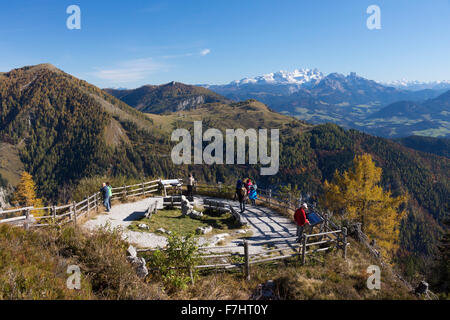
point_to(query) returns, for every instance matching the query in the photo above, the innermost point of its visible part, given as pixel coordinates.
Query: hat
(305, 206)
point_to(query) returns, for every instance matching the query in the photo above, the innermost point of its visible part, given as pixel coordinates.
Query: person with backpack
(242, 197)
(239, 185)
(105, 194)
(301, 220)
(253, 195)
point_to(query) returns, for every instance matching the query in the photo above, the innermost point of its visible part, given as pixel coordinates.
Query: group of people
(245, 191)
(106, 191)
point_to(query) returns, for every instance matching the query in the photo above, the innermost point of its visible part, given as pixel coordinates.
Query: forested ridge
(68, 130)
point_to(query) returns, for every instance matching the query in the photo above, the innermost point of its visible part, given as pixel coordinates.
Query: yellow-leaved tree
(25, 195)
(357, 195)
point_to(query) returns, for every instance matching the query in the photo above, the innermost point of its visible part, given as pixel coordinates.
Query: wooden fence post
(143, 189)
(270, 195)
(26, 225)
(344, 244)
(304, 240)
(88, 205)
(247, 260)
(74, 212)
(54, 214)
(125, 191)
(96, 202)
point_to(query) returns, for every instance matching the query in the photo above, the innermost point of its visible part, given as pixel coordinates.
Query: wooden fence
(31, 217)
(329, 236)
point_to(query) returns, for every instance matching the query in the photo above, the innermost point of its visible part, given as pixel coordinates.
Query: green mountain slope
(438, 146)
(170, 97)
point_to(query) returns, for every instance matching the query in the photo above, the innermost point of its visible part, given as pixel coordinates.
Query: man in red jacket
(300, 220)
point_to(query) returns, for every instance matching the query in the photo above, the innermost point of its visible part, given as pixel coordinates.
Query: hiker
(242, 197)
(248, 184)
(108, 185)
(301, 220)
(105, 192)
(239, 185)
(190, 185)
(253, 195)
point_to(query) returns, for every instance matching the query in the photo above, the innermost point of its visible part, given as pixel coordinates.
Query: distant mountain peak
(297, 77)
(416, 85)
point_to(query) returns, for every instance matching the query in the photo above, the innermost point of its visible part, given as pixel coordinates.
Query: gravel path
(264, 223)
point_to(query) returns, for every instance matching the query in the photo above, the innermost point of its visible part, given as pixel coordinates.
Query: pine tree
(357, 195)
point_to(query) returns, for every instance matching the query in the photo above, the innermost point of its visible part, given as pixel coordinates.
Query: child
(253, 195)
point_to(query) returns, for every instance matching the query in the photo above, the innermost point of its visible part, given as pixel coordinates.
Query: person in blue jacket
(253, 195)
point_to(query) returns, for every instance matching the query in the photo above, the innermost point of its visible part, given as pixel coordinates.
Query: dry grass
(33, 265)
(325, 277)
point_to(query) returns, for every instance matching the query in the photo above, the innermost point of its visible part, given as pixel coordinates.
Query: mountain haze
(350, 101)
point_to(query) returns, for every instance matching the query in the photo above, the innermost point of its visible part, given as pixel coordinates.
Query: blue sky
(136, 42)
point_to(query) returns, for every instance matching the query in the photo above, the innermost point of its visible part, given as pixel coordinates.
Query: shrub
(176, 264)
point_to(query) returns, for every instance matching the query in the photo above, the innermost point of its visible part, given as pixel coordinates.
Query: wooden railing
(330, 236)
(31, 217)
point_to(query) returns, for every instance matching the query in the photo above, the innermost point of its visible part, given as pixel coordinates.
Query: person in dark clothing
(105, 194)
(242, 197)
(239, 185)
(190, 185)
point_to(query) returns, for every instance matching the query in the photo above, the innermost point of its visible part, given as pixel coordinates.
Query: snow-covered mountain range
(419, 85)
(297, 77)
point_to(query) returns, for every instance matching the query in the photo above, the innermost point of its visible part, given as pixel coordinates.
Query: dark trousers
(190, 191)
(300, 232)
(242, 205)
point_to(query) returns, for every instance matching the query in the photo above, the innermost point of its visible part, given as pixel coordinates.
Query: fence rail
(31, 217)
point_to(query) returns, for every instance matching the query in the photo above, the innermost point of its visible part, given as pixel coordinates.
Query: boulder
(139, 265)
(143, 226)
(217, 238)
(131, 252)
(187, 209)
(161, 230)
(204, 230)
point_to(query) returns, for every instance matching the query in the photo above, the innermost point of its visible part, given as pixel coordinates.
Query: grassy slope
(33, 266)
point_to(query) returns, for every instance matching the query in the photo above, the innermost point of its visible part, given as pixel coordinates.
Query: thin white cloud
(129, 71)
(205, 52)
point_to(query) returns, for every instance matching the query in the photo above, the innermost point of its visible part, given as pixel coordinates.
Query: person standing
(242, 197)
(104, 191)
(190, 185)
(108, 185)
(253, 195)
(301, 220)
(239, 185)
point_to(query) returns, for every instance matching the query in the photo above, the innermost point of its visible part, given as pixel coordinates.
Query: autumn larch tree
(357, 195)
